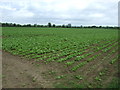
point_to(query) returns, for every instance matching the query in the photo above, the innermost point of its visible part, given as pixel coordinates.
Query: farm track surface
(18, 73)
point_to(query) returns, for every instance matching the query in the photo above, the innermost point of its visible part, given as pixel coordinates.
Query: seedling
(60, 77)
(101, 73)
(79, 77)
(52, 72)
(69, 63)
(98, 78)
(23, 85)
(34, 79)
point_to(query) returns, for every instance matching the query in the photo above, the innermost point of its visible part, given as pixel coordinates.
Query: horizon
(62, 24)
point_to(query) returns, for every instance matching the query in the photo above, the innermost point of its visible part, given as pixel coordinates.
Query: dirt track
(19, 73)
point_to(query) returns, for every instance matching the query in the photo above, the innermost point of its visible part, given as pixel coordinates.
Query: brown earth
(19, 73)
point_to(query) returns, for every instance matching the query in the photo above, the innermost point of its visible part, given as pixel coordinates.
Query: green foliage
(59, 44)
(69, 63)
(101, 73)
(34, 79)
(52, 72)
(60, 77)
(78, 66)
(79, 57)
(78, 77)
(114, 60)
(98, 78)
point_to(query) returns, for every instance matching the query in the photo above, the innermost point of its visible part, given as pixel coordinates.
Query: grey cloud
(75, 16)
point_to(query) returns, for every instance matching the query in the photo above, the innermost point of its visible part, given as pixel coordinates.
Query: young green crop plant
(98, 78)
(79, 65)
(69, 63)
(79, 58)
(60, 77)
(78, 77)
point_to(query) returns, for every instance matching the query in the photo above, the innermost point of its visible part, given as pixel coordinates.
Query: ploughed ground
(18, 72)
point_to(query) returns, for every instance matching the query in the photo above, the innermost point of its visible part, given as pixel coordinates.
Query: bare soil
(20, 73)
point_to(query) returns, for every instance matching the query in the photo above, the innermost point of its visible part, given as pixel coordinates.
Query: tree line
(52, 25)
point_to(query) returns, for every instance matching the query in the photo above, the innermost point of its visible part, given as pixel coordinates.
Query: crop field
(73, 57)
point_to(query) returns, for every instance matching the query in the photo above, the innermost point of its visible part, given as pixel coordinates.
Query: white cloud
(97, 15)
(77, 12)
(8, 8)
(23, 14)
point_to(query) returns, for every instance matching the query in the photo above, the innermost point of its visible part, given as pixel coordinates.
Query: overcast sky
(76, 12)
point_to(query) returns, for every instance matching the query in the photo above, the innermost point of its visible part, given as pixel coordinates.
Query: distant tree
(81, 26)
(45, 25)
(28, 25)
(53, 25)
(49, 24)
(66, 26)
(14, 25)
(38, 25)
(74, 27)
(59, 26)
(78, 26)
(35, 25)
(93, 26)
(24, 25)
(6, 24)
(9, 24)
(41, 26)
(69, 25)
(63, 25)
(3, 24)
(18, 25)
